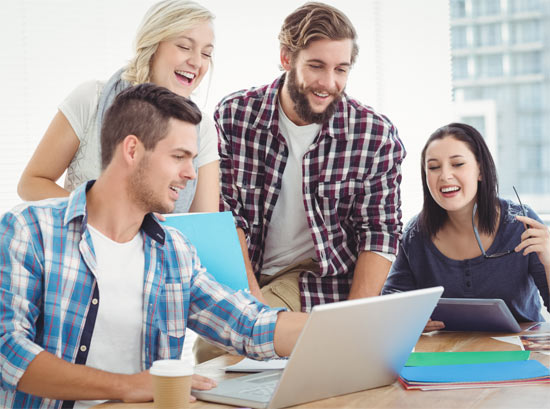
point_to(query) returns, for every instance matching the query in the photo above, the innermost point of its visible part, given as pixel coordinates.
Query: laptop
(344, 347)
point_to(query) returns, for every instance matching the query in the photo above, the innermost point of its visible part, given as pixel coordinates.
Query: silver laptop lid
(344, 347)
(354, 345)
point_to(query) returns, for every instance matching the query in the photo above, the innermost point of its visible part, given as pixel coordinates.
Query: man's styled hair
(316, 21)
(164, 21)
(144, 111)
(433, 217)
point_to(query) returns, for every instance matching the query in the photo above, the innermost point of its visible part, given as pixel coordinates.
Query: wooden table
(394, 396)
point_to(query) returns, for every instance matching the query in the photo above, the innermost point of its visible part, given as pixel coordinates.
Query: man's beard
(141, 192)
(302, 107)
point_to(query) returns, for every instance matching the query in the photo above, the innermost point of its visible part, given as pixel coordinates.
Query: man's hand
(259, 296)
(51, 377)
(369, 276)
(287, 329)
(252, 282)
(139, 388)
(201, 383)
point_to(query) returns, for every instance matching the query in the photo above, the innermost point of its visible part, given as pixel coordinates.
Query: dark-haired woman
(466, 238)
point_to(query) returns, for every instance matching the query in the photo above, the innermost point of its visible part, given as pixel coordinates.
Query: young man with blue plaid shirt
(311, 175)
(93, 289)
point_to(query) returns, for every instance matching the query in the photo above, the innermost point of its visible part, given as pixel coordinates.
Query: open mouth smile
(176, 190)
(321, 94)
(185, 77)
(449, 190)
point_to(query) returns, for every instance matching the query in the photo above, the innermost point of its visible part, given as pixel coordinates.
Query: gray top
(515, 278)
(81, 110)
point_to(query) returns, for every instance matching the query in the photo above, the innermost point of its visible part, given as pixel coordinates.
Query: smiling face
(162, 172)
(317, 77)
(180, 64)
(452, 174)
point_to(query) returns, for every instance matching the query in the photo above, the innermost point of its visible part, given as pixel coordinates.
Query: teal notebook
(215, 237)
(458, 358)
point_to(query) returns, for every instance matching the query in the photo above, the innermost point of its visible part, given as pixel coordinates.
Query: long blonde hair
(163, 21)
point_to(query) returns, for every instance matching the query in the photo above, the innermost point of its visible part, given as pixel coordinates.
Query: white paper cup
(171, 383)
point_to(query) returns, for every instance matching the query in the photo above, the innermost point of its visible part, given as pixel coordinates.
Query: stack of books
(456, 370)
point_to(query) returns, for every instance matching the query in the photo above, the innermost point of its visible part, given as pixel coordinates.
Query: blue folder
(215, 237)
(486, 372)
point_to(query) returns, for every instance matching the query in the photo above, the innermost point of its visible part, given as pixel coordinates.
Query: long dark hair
(433, 217)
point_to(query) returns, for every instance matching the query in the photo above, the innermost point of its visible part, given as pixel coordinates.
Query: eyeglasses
(478, 239)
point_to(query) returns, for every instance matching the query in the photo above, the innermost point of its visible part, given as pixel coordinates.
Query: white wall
(50, 46)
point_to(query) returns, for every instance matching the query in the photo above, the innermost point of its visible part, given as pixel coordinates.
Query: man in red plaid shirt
(311, 175)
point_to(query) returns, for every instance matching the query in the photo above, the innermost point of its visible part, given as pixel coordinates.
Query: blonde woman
(173, 49)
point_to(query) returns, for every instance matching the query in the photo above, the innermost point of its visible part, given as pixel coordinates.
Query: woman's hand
(535, 239)
(433, 326)
(160, 216)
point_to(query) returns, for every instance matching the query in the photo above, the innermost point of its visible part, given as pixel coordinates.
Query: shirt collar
(77, 208)
(336, 127)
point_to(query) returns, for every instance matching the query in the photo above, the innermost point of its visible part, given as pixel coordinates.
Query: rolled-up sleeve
(20, 295)
(230, 198)
(378, 211)
(234, 321)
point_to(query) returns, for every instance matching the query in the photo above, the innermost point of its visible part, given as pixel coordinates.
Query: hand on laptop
(201, 383)
(433, 326)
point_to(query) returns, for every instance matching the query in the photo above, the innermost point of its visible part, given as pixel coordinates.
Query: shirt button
(468, 284)
(95, 301)
(83, 348)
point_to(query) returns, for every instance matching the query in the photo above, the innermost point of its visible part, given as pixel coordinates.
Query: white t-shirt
(80, 109)
(288, 237)
(117, 338)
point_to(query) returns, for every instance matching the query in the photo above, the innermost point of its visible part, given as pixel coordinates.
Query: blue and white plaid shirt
(49, 296)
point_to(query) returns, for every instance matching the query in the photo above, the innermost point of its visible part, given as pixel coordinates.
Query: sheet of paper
(458, 358)
(511, 340)
(251, 365)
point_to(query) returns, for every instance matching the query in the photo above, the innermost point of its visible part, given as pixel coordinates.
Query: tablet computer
(475, 314)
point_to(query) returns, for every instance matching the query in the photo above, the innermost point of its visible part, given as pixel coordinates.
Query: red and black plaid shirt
(350, 185)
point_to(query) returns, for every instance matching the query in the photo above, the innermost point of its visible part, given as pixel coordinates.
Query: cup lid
(171, 367)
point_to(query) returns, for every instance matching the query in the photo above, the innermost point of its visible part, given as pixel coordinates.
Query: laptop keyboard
(265, 389)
